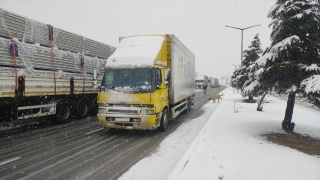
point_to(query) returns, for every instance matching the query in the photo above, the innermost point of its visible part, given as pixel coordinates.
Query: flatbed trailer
(47, 72)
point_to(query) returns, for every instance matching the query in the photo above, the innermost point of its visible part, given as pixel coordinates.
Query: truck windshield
(138, 79)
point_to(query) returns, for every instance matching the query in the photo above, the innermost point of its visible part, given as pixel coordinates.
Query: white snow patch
(251, 87)
(273, 52)
(312, 84)
(313, 67)
(136, 52)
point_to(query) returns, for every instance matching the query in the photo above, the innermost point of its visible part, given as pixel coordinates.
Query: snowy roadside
(298, 101)
(228, 145)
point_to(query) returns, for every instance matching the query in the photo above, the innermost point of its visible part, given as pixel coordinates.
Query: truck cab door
(161, 89)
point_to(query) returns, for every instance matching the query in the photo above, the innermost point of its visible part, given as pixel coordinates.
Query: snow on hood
(136, 52)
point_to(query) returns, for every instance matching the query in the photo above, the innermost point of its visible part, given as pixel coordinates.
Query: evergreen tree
(253, 52)
(311, 88)
(311, 85)
(253, 85)
(292, 60)
(240, 75)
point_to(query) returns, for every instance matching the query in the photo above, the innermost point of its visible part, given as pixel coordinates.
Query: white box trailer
(212, 81)
(201, 80)
(183, 71)
(215, 83)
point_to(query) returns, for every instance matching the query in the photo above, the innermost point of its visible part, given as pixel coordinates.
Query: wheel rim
(64, 112)
(83, 109)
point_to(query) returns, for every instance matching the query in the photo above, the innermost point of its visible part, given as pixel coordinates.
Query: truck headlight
(102, 111)
(146, 111)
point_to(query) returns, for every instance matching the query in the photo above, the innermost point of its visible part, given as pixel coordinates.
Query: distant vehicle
(47, 72)
(214, 83)
(148, 81)
(209, 81)
(201, 80)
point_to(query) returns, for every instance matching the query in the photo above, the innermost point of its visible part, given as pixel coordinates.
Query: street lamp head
(242, 37)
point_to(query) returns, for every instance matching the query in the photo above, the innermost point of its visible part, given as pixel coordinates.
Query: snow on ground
(227, 145)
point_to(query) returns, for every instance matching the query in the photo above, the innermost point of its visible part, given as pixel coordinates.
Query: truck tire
(94, 110)
(82, 108)
(94, 107)
(64, 112)
(164, 120)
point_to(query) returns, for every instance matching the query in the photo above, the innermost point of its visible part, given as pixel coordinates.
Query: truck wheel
(94, 107)
(164, 120)
(82, 108)
(94, 110)
(64, 112)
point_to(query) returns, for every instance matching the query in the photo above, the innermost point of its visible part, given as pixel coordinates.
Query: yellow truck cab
(148, 81)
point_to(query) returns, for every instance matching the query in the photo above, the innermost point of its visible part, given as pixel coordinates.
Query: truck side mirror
(167, 77)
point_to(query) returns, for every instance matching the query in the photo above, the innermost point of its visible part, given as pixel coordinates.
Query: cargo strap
(15, 69)
(52, 57)
(83, 72)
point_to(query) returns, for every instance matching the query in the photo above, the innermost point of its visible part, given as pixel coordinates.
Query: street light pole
(242, 29)
(226, 80)
(235, 66)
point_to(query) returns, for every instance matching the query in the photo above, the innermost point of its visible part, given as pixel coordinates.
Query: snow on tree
(253, 52)
(253, 86)
(311, 89)
(240, 75)
(291, 63)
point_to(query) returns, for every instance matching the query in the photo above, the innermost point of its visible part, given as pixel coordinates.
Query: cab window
(158, 77)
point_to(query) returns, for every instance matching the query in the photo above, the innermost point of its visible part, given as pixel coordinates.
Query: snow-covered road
(228, 145)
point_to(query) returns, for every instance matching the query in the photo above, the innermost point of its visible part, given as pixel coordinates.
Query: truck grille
(123, 111)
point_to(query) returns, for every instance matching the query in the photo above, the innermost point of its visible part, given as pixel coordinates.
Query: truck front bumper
(122, 121)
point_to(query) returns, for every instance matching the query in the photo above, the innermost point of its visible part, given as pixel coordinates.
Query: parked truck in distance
(148, 81)
(47, 72)
(200, 81)
(209, 81)
(214, 82)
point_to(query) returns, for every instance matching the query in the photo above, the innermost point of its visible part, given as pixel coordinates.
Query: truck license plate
(122, 119)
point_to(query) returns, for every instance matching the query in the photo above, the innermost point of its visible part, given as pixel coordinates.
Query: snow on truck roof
(136, 52)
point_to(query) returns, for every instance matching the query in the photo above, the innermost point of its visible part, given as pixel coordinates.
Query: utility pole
(242, 29)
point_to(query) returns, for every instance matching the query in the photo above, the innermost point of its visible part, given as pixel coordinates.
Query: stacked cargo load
(34, 45)
(43, 67)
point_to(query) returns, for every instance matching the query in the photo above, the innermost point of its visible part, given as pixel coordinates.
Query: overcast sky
(199, 24)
